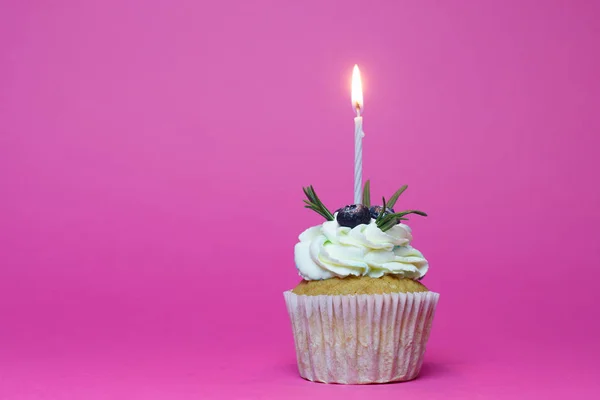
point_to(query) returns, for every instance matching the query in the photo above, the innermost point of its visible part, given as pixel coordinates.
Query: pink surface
(151, 160)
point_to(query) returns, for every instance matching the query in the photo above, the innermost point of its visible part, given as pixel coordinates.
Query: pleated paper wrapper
(363, 338)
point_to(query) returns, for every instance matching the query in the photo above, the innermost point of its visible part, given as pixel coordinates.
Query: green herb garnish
(315, 204)
(384, 221)
(390, 220)
(379, 219)
(367, 194)
(396, 195)
(387, 221)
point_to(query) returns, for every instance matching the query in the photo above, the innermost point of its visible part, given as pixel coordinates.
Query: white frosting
(330, 250)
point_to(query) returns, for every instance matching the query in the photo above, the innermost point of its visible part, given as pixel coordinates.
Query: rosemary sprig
(381, 216)
(395, 196)
(390, 220)
(315, 204)
(367, 194)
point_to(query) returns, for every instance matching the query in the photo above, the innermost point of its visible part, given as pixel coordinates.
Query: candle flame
(357, 94)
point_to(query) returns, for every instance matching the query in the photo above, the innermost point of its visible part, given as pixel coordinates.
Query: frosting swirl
(330, 250)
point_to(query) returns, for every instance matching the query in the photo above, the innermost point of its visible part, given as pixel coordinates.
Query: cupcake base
(361, 339)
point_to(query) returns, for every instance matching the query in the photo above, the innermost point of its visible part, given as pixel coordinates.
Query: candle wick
(357, 110)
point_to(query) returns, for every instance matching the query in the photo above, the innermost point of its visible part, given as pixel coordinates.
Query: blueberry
(353, 215)
(375, 210)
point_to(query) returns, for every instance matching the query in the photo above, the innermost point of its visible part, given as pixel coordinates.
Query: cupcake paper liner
(363, 338)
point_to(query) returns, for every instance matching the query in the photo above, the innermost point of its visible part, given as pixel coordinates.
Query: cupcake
(360, 314)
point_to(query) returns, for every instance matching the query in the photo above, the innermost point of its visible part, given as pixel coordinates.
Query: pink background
(152, 155)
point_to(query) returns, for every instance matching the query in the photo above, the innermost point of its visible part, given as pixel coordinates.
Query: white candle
(357, 103)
